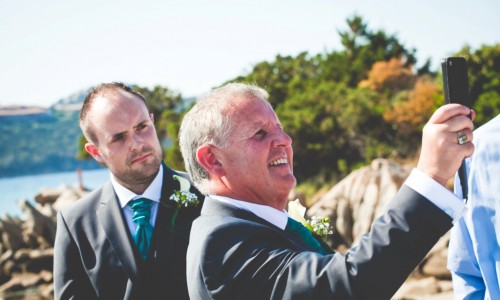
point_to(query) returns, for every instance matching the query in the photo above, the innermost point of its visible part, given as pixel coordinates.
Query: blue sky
(51, 49)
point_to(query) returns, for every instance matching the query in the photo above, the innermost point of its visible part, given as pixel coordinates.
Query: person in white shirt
(474, 250)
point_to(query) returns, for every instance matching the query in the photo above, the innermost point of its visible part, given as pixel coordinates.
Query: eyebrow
(123, 133)
(265, 125)
(141, 123)
(118, 135)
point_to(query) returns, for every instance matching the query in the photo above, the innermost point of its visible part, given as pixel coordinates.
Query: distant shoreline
(21, 110)
(51, 172)
(25, 110)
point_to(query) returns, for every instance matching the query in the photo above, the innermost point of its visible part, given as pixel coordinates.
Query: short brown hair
(101, 89)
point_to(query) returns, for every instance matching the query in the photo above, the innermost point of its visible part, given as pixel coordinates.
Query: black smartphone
(455, 81)
(456, 90)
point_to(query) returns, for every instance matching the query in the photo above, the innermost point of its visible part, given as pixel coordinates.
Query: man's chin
(142, 176)
(288, 181)
(152, 166)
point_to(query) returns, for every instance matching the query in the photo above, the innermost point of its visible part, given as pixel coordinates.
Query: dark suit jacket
(95, 256)
(233, 254)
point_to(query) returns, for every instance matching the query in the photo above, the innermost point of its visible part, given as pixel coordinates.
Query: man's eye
(261, 133)
(118, 138)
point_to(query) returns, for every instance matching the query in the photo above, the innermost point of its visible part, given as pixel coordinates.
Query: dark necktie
(300, 231)
(141, 217)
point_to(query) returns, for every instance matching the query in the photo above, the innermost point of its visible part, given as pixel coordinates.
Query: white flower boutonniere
(319, 226)
(183, 197)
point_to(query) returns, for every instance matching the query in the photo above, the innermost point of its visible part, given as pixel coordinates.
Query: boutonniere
(319, 226)
(183, 197)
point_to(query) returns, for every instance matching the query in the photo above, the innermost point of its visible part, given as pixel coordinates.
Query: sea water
(13, 189)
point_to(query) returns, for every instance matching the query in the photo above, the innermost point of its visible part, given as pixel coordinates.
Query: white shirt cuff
(436, 193)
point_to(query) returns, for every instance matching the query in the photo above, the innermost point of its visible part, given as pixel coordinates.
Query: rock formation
(26, 248)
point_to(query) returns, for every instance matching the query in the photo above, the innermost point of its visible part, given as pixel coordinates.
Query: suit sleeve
(244, 260)
(70, 278)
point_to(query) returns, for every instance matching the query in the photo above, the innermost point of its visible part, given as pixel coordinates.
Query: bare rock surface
(26, 245)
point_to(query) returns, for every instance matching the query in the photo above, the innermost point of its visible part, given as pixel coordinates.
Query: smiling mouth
(279, 161)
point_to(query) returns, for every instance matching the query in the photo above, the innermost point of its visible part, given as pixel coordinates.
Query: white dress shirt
(436, 193)
(153, 192)
(278, 218)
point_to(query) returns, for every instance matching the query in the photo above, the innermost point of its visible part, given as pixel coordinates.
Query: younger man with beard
(127, 239)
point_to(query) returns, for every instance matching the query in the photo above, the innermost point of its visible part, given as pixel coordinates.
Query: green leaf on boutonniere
(319, 226)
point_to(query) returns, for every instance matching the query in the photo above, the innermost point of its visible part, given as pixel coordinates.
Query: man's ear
(152, 117)
(207, 158)
(93, 151)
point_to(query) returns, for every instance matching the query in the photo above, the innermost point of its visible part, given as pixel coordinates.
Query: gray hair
(210, 122)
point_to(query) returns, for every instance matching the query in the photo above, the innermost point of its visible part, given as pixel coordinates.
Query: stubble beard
(141, 173)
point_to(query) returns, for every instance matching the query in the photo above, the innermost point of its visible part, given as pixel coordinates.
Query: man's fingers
(459, 123)
(469, 149)
(448, 111)
(472, 114)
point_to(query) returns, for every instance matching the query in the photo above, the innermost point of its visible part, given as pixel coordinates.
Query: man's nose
(281, 139)
(137, 142)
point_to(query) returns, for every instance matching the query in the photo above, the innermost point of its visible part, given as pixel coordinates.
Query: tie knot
(142, 210)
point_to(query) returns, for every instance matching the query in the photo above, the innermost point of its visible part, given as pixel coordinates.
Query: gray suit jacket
(234, 254)
(95, 256)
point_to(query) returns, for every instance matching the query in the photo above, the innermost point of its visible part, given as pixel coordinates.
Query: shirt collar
(153, 191)
(268, 213)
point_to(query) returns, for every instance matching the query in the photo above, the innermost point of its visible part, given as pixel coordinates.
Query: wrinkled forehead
(250, 108)
(252, 114)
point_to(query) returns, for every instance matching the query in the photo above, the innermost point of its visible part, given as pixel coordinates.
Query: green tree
(283, 76)
(363, 48)
(334, 130)
(483, 67)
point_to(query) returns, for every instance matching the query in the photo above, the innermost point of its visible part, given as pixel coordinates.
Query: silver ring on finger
(461, 138)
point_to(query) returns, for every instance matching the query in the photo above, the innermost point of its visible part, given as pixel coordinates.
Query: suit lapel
(162, 235)
(323, 244)
(111, 218)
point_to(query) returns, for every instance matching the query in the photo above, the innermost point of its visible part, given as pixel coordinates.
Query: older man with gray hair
(245, 246)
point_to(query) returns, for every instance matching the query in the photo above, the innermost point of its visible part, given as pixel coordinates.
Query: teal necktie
(300, 231)
(141, 217)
